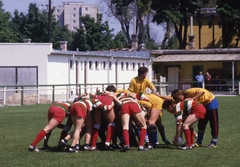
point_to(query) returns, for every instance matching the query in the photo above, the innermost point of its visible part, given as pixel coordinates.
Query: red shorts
(57, 113)
(79, 111)
(107, 100)
(130, 108)
(199, 111)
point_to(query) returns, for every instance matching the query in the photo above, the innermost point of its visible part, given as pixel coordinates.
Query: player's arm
(196, 96)
(177, 133)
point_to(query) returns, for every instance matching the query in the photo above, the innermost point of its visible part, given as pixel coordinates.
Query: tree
(34, 25)
(126, 10)
(6, 33)
(177, 12)
(229, 12)
(94, 35)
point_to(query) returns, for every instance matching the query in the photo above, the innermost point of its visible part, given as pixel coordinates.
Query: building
(181, 66)
(207, 29)
(67, 73)
(70, 13)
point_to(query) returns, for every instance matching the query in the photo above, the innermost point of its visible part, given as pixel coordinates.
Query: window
(134, 66)
(104, 65)
(110, 65)
(74, 21)
(86, 9)
(90, 65)
(122, 66)
(58, 10)
(74, 15)
(127, 66)
(139, 65)
(74, 8)
(74, 28)
(58, 16)
(71, 64)
(96, 65)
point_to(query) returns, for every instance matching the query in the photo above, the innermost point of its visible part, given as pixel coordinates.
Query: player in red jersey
(186, 113)
(109, 116)
(56, 114)
(131, 108)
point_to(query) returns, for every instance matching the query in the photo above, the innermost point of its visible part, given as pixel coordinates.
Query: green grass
(19, 126)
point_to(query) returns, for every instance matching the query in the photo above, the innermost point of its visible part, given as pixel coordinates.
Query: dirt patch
(27, 99)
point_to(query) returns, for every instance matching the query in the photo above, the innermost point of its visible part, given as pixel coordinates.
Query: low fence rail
(12, 95)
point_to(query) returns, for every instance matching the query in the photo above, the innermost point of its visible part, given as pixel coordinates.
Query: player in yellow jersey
(210, 103)
(139, 84)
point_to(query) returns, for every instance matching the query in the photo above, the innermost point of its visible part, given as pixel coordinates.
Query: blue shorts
(213, 105)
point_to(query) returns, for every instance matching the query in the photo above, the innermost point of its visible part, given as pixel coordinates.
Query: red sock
(110, 132)
(126, 136)
(94, 137)
(142, 136)
(39, 137)
(192, 136)
(188, 137)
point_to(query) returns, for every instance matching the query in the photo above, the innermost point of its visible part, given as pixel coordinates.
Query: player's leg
(96, 126)
(143, 126)
(161, 130)
(214, 125)
(191, 119)
(152, 126)
(88, 134)
(66, 129)
(110, 116)
(125, 126)
(78, 123)
(53, 123)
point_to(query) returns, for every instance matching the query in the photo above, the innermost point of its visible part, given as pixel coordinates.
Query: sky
(22, 6)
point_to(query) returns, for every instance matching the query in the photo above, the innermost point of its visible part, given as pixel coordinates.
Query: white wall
(54, 67)
(27, 54)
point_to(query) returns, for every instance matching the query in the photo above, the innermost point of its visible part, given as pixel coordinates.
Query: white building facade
(70, 13)
(38, 64)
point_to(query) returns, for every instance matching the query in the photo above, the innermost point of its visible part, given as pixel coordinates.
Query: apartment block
(70, 13)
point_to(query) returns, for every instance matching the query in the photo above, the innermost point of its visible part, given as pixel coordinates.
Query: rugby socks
(200, 137)
(95, 134)
(110, 132)
(126, 137)
(214, 141)
(142, 136)
(187, 134)
(153, 135)
(192, 135)
(39, 137)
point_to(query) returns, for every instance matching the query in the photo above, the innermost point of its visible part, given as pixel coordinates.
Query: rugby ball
(180, 140)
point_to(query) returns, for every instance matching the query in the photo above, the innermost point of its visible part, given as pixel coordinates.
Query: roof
(116, 54)
(197, 57)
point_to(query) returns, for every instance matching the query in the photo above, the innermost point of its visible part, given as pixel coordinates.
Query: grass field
(19, 126)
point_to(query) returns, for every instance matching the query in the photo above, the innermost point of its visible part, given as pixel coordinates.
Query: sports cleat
(33, 148)
(77, 147)
(72, 150)
(45, 147)
(94, 149)
(63, 143)
(116, 146)
(143, 149)
(185, 148)
(198, 145)
(125, 148)
(211, 146)
(87, 147)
